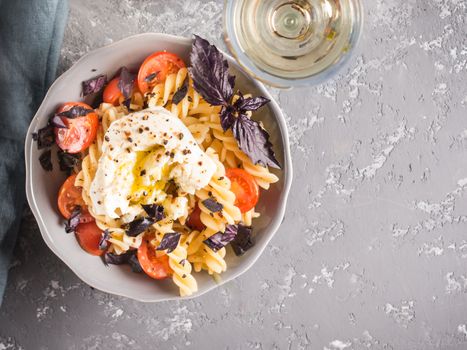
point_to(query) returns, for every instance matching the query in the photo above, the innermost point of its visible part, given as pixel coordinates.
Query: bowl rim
(87, 278)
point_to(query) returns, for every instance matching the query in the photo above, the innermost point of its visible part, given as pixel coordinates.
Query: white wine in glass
(295, 42)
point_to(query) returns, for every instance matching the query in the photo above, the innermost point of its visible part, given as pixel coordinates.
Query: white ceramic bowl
(42, 186)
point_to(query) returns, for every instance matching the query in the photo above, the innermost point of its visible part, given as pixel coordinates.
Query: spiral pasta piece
(219, 189)
(214, 261)
(191, 104)
(181, 268)
(121, 242)
(199, 130)
(209, 260)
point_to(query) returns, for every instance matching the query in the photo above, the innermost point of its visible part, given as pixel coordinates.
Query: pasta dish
(165, 168)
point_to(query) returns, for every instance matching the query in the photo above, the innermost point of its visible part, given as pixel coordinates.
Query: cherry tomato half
(154, 266)
(194, 220)
(80, 131)
(88, 235)
(69, 196)
(245, 188)
(112, 93)
(160, 63)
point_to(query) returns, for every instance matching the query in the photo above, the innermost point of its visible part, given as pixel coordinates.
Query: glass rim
(280, 82)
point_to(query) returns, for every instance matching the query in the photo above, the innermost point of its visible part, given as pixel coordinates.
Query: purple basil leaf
(93, 85)
(58, 122)
(46, 160)
(210, 73)
(67, 161)
(243, 240)
(75, 112)
(253, 140)
(219, 240)
(126, 82)
(128, 257)
(104, 243)
(114, 259)
(231, 80)
(151, 77)
(138, 226)
(73, 221)
(227, 117)
(97, 100)
(169, 241)
(154, 211)
(181, 93)
(134, 264)
(250, 103)
(45, 137)
(213, 205)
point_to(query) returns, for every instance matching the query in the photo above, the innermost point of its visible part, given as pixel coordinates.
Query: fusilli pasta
(203, 121)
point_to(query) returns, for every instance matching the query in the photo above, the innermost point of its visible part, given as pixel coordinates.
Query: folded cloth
(31, 34)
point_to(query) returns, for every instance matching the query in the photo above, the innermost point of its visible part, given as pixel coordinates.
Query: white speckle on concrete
(285, 289)
(123, 340)
(21, 284)
(326, 275)
(339, 344)
(117, 313)
(462, 329)
(319, 234)
(42, 312)
(180, 323)
(403, 314)
(9, 343)
(380, 158)
(434, 248)
(399, 232)
(455, 284)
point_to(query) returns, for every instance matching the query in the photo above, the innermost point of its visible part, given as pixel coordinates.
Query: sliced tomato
(69, 197)
(112, 93)
(88, 235)
(245, 188)
(160, 64)
(79, 133)
(156, 267)
(194, 220)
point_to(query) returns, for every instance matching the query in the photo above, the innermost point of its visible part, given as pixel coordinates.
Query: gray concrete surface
(373, 251)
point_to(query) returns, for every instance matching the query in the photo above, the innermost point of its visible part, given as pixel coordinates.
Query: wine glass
(292, 43)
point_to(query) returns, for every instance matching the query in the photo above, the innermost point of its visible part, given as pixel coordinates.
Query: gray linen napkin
(31, 33)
